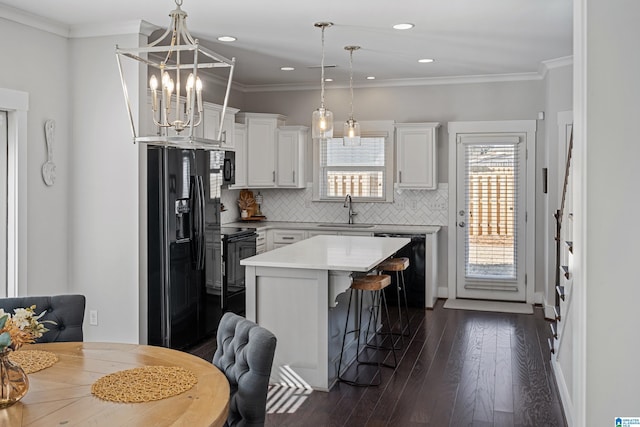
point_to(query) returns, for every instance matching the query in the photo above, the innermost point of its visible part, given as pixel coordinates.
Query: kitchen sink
(339, 225)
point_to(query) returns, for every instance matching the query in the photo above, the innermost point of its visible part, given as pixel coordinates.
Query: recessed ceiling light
(371, 78)
(287, 68)
(404, 26)
(328, 79)
(425, 60)
(227, 39)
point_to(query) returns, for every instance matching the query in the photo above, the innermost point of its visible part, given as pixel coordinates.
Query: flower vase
(14, 383)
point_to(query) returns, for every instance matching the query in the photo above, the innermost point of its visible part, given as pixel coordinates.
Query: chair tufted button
(61, 327)
(49, 310)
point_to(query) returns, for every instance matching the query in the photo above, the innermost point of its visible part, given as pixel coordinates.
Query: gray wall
(49, 96)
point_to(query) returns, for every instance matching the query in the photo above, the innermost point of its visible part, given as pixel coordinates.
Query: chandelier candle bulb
(199, 94)
(189, 88)
(153, 85)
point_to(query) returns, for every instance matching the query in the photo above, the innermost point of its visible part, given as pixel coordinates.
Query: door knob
(461, 224)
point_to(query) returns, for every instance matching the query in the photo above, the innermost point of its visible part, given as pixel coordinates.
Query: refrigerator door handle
(201, 237)
(194, 208)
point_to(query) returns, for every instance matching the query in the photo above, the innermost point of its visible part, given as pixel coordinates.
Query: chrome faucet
(347, 204)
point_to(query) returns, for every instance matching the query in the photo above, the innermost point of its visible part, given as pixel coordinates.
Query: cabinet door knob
(400, 176)
(274, 176)
(461, 224)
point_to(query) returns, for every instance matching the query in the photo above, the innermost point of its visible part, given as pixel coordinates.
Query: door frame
(16, 104)
(527, 127)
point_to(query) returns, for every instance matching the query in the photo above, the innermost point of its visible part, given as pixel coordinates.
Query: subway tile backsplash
(420, 207)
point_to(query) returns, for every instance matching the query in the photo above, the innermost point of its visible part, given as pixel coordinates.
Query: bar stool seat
(394, 264)
(373, 285)
(399, 265)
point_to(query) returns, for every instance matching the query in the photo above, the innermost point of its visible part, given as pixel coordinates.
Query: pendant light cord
(322, 72)
(351, 79)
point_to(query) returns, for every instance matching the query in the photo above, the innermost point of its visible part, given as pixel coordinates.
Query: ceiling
(465, 37)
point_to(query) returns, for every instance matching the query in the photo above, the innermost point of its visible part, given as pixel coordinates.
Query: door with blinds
(491, 217)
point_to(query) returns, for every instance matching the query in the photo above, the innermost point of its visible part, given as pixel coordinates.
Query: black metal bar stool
(399, 265)
(374, 285)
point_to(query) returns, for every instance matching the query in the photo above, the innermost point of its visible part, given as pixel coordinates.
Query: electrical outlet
(438, 206)
(93, 317)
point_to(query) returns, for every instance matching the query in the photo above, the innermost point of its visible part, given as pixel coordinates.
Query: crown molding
(428, 81)
(130, 27)
(77, 31)
(38, 22)
(551, 64)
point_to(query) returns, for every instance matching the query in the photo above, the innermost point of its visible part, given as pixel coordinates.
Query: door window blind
(491, 193)
(355, 170)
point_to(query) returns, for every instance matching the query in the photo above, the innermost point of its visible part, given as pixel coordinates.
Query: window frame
(375, 129)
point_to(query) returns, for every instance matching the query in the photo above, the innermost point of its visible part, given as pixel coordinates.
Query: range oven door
(233, 282)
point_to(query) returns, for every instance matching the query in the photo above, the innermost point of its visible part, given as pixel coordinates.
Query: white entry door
(491, 216)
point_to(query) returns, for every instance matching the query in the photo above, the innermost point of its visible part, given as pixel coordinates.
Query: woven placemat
(33, 360)
(144, 384)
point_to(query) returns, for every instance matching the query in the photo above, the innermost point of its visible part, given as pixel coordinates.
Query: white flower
(22, 317)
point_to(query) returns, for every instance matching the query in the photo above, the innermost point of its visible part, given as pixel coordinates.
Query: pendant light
(175, 60)
(322, 119)
(351, 135)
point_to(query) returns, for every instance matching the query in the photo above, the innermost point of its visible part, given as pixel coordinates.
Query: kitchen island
(298, 293)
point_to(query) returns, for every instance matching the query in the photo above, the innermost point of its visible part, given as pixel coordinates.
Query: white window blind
(355, 170)
(491, 192)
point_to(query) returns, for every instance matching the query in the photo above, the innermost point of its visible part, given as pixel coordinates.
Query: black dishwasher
(413, 275)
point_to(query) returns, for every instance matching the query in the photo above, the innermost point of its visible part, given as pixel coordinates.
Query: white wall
(558, 97)
(37, 62)
(611, 179)
(103, 234)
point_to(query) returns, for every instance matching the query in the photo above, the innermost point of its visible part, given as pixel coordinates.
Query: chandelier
(351, 135)
(322, 119)
(176, 90)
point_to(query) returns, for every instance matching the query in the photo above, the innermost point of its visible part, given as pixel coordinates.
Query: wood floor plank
(503, 396)
(459, 368)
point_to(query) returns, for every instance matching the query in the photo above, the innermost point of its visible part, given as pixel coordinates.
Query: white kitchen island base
(298, 293)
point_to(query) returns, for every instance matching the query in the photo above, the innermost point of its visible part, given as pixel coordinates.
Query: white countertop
(341, 253)
(316, 226)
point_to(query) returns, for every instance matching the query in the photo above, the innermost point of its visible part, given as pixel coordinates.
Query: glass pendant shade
(351, 135)
(322, 124)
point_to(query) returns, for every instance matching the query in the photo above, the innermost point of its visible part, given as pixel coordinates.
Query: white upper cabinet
(416, 155)
(291, 151)
(261, 147)
(240, 137)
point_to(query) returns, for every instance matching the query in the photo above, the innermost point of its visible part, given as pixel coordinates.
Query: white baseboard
(538, 298)
(443, 292)
(565, 398)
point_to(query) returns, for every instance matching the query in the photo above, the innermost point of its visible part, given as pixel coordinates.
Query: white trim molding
(16, 104)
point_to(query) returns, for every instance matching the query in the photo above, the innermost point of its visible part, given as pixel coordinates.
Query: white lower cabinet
(261, 241)
(278, 238)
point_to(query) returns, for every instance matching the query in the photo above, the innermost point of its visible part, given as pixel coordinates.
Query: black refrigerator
(184, 258)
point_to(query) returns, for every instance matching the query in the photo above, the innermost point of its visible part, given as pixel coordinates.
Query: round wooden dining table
(60, 395)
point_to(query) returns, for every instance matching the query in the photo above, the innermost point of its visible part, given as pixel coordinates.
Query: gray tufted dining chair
(244, 354)
(67, 311)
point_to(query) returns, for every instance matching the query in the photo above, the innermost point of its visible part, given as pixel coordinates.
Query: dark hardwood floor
(459, 368)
